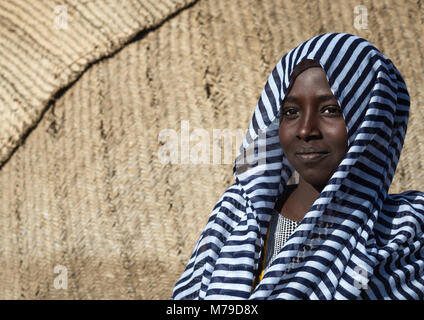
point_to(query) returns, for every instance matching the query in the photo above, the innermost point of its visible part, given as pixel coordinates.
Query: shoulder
(232, 196)
(410, 202)
(228, 211)
(410, 197)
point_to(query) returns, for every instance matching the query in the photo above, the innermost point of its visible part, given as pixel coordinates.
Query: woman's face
(312, 130)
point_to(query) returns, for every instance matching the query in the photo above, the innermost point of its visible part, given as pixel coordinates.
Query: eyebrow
(321, 98)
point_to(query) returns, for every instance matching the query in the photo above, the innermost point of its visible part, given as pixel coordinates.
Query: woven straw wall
(82, 183)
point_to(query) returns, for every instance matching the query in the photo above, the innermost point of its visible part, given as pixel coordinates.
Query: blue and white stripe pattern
(356, 241)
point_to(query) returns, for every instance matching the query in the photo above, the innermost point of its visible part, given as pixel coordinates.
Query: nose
(308, 128)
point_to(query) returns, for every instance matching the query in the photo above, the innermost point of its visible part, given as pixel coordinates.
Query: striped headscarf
(356, 241)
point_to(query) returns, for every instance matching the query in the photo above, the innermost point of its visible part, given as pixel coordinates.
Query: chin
(314, 180)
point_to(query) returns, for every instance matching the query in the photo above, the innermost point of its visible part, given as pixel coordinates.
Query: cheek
(337, 136)
(284, 136)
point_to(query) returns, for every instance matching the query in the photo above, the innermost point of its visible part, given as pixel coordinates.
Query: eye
(332, 111)
(289, 113)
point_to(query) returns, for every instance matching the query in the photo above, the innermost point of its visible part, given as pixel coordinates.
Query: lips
(311, 155)
(310, 151)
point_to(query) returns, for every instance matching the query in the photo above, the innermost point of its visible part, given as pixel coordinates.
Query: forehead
(310, 81)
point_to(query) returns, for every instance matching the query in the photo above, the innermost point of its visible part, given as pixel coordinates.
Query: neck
(305, 195)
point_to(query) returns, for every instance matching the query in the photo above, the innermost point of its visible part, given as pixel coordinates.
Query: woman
(334, 111)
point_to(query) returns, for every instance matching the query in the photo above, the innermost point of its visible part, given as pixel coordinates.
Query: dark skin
(313, 136)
